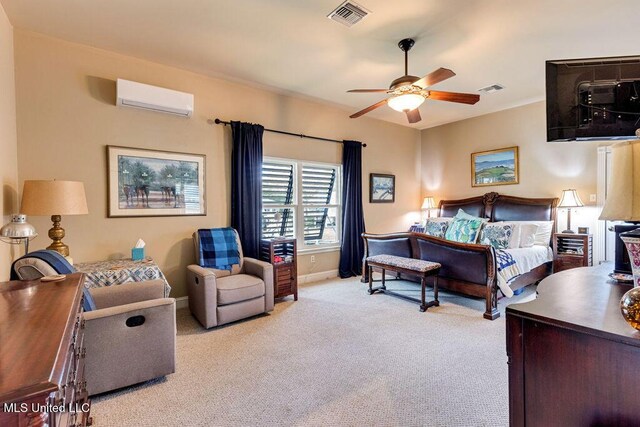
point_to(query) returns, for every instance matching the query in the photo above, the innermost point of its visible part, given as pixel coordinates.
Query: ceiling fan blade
(463, 98)
(437, 76)
(413, 115)
(370, 108)
(367, 90)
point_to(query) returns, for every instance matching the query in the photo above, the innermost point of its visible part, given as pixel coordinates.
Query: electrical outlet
(313, 259)
(593, 198)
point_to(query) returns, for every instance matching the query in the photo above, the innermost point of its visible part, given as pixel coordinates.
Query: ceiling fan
(409, 92)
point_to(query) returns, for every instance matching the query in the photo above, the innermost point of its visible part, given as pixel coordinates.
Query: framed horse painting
(155, 183)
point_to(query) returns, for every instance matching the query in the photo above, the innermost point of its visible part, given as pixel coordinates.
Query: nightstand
(572, 251)
(282, 254)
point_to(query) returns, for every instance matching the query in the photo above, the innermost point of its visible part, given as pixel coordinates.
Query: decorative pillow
(543, 231)
(514, 240)
(437, 227)
(497, 235)
(462, 214)
(528, 234)
(464, 228)
(543, 235)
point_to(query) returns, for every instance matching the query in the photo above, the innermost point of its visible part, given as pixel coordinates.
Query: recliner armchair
(217, 297)
(120, 352)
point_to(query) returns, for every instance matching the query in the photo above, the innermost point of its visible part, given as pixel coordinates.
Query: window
(301, 200)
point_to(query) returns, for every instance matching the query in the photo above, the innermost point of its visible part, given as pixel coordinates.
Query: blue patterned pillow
(496, 235)
(437, 227)
(464, 228)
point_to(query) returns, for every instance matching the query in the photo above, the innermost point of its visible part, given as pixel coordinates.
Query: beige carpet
(336, 357)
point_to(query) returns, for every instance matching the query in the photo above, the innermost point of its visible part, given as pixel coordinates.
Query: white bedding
(529, 258)
(526, 260)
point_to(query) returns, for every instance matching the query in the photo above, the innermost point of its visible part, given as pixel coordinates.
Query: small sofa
(470, 269)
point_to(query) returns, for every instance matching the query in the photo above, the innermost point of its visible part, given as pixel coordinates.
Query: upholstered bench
(410, 266)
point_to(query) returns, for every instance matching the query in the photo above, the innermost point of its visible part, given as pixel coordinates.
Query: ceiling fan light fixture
(406, 102)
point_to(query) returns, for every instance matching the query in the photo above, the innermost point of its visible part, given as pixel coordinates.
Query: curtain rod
(222, 122)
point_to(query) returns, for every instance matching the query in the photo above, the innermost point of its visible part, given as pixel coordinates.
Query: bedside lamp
(427, 204)
(570, 199)
(18, 231)
(55, 198)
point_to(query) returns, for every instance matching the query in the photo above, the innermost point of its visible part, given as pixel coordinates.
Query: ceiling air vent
(492, 88)
(348, 13)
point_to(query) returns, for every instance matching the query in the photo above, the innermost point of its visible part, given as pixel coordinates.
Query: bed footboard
(466, 268)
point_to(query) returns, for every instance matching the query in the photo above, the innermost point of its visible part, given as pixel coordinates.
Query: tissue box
(137, 254)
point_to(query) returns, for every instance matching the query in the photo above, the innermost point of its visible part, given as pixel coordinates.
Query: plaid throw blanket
(218, 248)
(507, 271)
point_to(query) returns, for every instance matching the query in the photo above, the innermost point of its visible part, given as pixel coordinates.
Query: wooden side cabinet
(282, 254)
(572, 251)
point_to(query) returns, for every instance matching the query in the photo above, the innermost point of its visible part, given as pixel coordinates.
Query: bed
(472, 269)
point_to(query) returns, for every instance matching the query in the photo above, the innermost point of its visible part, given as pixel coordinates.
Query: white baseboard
(183, 302)
(316, 277)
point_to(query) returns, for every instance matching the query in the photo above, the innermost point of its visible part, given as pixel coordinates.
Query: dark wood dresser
(42, 354)
(573, 360)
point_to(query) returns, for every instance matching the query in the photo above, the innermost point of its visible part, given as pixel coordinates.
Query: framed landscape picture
(155, 183)
(495, 167)
(382, 188)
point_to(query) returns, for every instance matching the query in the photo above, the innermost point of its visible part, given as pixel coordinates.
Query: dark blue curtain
(246, 185)
(352, 245)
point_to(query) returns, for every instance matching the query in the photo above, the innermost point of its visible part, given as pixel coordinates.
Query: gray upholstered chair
(130, 336)
(217, 297)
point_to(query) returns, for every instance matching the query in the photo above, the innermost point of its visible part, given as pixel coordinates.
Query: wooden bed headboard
(498, 207)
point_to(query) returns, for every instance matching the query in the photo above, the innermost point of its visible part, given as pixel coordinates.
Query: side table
(282, 254)
(116, 272)
(572, 250)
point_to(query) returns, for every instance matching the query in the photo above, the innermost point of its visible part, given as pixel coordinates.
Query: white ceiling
(290, 45)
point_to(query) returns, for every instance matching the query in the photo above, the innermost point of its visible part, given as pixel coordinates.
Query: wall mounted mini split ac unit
(153, 98)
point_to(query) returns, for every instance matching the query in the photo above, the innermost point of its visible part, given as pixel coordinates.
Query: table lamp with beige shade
(55, 198)
(427, 204)
(623, 204)
(570, 199)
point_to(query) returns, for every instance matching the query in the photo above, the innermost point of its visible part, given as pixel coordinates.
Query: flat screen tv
(593, 99)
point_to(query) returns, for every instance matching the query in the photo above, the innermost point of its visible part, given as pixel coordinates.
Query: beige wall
(545, 168)
(66, 117)
(8, 141)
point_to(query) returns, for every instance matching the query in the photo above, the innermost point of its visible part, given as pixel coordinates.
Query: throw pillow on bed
(497, 235)
(514, 240)
(528, 234)
(543, 230)
(437, 227)
(464, 228)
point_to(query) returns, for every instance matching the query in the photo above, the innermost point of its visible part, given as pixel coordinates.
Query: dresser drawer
(567, 262)
(283, 274)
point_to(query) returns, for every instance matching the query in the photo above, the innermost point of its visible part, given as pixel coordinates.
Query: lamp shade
(570, 199)
(623, 195)
(428, 203)
(406, 102)
(54, 198)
